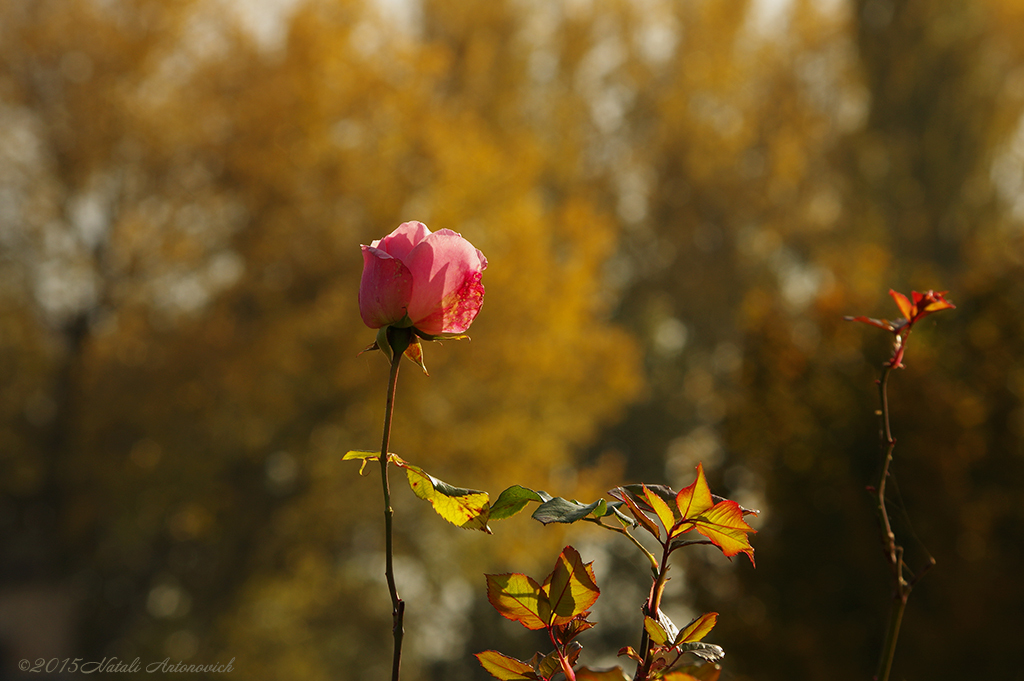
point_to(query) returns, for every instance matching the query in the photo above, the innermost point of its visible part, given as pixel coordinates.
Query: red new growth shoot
(919, 305)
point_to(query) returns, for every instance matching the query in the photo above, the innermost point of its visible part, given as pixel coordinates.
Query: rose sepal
(413, 350)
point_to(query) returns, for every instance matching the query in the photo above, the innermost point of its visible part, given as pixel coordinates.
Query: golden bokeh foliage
(180, 278)
(678, 200)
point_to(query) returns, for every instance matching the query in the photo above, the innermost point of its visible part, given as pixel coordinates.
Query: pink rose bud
(430, 281)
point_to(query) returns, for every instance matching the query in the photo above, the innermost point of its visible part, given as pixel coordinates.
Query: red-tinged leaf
(611, 674)
(465, 508)
(883, 324)
(667, 494)
(697, 629)
(550, 664)
(518, 598)
(571, 588)
(695, 499)
(661, 509)
(629, 652)
(678, 676)
(929, 302)
(566, 632)
(645, 520)
(905, 306)
(723, 524)
(914, 308)
(506, 668)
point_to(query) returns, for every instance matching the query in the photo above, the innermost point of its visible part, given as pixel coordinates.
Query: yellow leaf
(465, 508)
(697, 629)
(661, 508)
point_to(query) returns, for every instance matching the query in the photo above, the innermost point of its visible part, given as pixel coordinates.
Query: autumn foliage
(678, 202)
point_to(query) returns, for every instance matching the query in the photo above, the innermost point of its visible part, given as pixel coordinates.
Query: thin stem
(563, 661)
(893, 551)
(888, 537)
(651, 609)
(397, 604)
(899, 605)
(623, 531)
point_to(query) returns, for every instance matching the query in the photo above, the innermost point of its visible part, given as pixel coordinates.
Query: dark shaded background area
(679, 202)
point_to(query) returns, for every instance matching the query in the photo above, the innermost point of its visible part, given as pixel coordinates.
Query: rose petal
(457, 311)
(405, 238)
(440, 265)
(385, 288)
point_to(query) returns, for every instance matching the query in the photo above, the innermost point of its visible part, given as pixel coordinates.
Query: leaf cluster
(561, 604)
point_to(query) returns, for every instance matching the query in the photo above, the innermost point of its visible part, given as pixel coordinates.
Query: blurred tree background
(678, 201)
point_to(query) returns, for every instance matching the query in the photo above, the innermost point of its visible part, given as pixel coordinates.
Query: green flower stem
(395, 338)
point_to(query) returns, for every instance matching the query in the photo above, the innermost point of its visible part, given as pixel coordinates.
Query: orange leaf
(931, 301)
(723, 524)
(904, 304)
(695, 499)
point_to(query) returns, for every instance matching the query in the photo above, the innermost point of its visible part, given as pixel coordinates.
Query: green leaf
(465, 508)
(504, 667)
(559, 510)
(708, 651)
(605, 508)
(571, 587)
(512, 501)
(519, 598)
